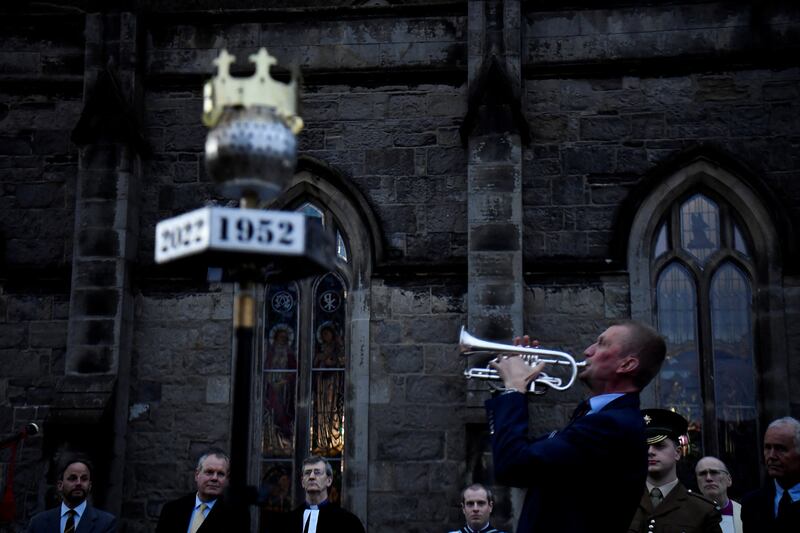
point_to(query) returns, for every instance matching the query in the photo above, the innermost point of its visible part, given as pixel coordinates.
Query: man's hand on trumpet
(516, 373)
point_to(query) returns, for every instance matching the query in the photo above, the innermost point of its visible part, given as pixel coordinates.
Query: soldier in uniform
(666, 505)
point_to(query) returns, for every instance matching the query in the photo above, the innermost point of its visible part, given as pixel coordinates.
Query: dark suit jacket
(332, 519)
(758, 512)
(586, 477)
(175, 517)
(681, 510)
(92, 521)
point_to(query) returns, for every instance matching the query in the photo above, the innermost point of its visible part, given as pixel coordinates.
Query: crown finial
(260, 89)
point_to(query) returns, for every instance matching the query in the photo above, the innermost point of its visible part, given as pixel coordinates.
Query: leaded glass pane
(327, 374)
(734, 371)
(277, 483)
(280, 370)
(739, 243)
(312, 211)
(700, 227)
(679, 385)
(341, 248)
(662, 245)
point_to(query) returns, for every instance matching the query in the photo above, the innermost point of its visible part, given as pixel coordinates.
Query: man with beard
(206, 510)
(318, 514)
(74, 485)
(775, 508)
(603, 442)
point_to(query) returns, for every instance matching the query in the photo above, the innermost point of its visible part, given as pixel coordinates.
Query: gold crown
(260, 89)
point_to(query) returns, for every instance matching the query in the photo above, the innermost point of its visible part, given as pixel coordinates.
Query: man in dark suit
(589, 475)
(74, 515)
(318, 514)
(775, 508)
(206, 510)
(665, 504)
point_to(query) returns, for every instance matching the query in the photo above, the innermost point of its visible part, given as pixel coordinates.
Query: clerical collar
(319, 505)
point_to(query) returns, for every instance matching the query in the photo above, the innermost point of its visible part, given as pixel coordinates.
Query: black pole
(244, 322)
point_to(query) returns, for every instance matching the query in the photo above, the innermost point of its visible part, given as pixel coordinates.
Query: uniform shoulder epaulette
(700, 496)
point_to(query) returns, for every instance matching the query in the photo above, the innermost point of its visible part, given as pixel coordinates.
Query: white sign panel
(251, 231)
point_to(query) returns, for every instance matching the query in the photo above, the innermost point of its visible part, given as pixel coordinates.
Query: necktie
(583, 408)
(656, 497)
(784, 506)
(69, 527)
(199, 516)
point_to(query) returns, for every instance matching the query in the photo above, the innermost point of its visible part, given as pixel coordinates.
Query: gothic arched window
(701, 248)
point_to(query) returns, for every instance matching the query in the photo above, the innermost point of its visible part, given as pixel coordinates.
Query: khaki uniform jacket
(680, 512)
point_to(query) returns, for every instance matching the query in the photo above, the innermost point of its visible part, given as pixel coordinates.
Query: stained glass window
(704, 308)
(305, 362)
(700, 227)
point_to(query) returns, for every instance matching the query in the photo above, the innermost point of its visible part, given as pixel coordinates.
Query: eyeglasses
(710, 472)
(317, 472)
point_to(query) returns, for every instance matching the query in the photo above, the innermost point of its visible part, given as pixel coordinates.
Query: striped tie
(69, 527)
(199, 516)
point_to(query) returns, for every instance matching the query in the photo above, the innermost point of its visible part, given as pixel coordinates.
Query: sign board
(228, 229)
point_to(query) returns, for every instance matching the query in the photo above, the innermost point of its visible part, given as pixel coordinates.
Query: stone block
(446, 217)
(410, 445)
(496, 178)
(494, 294)
(13, 335)
(448, 298)
(646, 125)
(441, 389)
(23, 308)
(491, 265)
(495, 149)
(17, 363)
(433, 329)
(40, 195)
(544, 218)
(402, 359)
(603, 128)
(48, 334)
(90, 359)
(549, 127)
(98, 184)
(387, 332)
(96, 302)
(632, 161)
(95, 273)
(781, 91)
(589, 159)
(411, 301)
(97, 242)
(494, 237)
(417, 189)
(426, 245)
(218, 390)
(205, 361)
(390, 161)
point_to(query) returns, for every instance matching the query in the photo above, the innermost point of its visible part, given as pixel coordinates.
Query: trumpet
(470, 345)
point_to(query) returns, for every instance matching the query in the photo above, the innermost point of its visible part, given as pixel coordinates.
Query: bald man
(714, 479)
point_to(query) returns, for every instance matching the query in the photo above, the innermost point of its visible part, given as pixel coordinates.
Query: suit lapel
(86, 525)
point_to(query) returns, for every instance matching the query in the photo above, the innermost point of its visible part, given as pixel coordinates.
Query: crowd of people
(611, 469)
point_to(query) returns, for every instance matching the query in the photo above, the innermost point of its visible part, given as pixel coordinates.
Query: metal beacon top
(250, 152)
